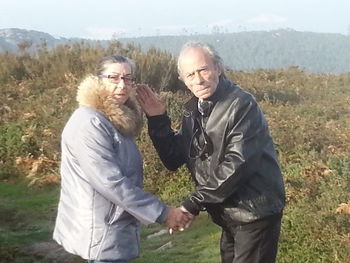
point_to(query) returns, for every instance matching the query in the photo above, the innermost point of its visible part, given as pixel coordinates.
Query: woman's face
(118, 80)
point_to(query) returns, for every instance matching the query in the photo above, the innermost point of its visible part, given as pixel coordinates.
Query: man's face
(199, 72)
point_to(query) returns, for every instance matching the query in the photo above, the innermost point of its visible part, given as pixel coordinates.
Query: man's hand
(149, 101)
(178, 219)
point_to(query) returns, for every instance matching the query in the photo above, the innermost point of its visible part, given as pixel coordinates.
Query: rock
(157, 234)
(165, 246)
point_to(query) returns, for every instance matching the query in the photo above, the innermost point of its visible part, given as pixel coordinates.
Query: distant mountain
(314, 52)
(11, 39)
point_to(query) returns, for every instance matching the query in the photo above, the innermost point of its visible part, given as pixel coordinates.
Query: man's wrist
(191, 207)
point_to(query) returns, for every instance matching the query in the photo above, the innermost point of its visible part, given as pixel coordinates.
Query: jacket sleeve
(246, 138)
(97, 158)
(167, 142)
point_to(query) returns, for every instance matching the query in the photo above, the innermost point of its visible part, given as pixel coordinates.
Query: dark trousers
(114, 261)
(255, 242)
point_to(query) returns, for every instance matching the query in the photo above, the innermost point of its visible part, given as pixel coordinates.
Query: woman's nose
(121, 84)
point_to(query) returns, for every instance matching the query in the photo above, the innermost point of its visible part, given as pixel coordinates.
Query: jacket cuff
(163, 216)
(191, 207)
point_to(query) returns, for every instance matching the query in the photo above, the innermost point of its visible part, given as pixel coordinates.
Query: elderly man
(225, 142)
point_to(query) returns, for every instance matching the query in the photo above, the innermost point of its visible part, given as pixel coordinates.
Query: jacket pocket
(202, 171)
(114, 213)
(121, 241)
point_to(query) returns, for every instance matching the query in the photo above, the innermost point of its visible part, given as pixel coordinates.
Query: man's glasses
(117, 78)
(200, 144)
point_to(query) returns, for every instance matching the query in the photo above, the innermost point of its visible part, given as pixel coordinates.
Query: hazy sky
(102, 19)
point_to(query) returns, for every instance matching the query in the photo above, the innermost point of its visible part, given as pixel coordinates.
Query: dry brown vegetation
(309, 117)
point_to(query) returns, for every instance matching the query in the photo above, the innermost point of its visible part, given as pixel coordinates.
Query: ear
(218, 70)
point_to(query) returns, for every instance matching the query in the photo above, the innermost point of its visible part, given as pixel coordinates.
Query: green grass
(26, 216)
(198, 244)
(313, 234)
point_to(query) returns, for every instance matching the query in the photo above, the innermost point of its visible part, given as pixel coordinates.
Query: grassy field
(27, 216)
(309, 119)
(198, 244)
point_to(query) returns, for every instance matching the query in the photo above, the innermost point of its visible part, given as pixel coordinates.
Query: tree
(24, 45)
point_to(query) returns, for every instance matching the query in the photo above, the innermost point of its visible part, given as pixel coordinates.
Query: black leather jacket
(231, 158)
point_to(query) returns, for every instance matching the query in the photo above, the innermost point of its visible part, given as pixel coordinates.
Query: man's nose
(198, 78)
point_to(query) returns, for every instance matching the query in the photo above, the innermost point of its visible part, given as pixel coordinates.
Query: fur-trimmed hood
(127, 118)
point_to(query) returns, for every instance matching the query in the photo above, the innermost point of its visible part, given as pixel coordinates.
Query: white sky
(101, 19)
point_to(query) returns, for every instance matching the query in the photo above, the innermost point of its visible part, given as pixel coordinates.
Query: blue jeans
(114, 261)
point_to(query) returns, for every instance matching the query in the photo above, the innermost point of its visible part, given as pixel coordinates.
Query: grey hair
(114, 59)
(206, 48)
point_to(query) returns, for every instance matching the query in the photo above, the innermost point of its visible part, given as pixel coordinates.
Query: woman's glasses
(128, 80)
(200, 144)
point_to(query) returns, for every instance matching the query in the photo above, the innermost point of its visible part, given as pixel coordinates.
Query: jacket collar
(127, 118)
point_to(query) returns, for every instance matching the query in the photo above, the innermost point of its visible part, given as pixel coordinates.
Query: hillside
(246, 51)
(12, 40)
(309, 119)
(315, 52)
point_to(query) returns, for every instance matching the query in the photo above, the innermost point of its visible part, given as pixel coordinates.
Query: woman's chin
(121, 99)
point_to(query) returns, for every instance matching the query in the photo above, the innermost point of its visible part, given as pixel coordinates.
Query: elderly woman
(102, 202)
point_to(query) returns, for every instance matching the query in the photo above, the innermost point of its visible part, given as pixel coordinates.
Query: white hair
(213, 54)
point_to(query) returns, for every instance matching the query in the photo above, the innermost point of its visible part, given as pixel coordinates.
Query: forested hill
(313, 52)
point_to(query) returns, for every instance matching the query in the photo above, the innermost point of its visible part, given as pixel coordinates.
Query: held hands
(149, 102)
(178, 219)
